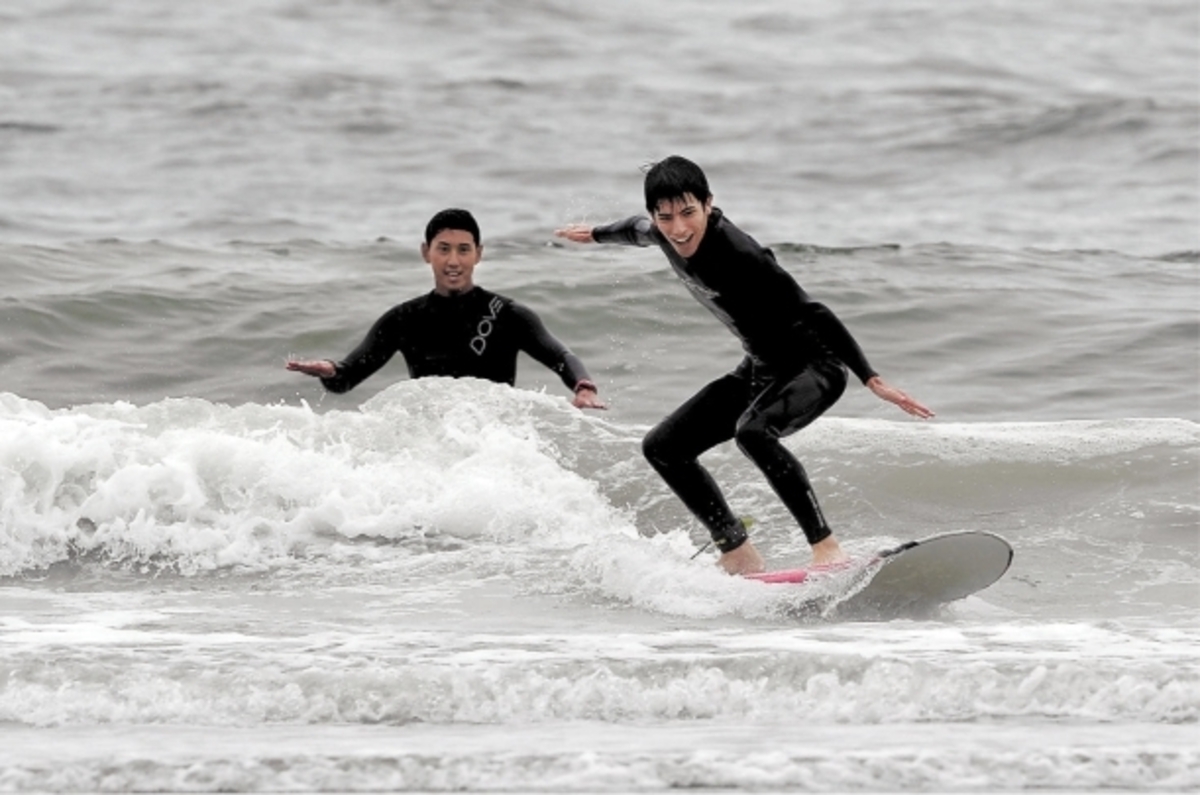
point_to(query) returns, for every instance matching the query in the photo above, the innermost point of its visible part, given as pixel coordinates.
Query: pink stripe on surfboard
(800, 575)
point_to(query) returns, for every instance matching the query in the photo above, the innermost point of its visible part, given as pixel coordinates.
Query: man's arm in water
(376, 349)
(544, 347)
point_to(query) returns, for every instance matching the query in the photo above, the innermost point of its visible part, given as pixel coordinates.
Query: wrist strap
(585, 384)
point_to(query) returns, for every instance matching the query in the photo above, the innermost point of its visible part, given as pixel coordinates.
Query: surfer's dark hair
(673, 178)
(452, 218)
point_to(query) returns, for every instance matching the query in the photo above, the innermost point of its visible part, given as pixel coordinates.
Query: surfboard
(912, 579)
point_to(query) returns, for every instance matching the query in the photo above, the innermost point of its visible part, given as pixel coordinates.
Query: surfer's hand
(321, 368)
(578, 233)
(588, 399)
(892, 395)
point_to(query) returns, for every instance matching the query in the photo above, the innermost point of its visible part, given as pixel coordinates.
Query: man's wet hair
(454, 219)
(673, 178)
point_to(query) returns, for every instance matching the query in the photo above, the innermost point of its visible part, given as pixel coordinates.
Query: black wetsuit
(474, 334)
(797, 352)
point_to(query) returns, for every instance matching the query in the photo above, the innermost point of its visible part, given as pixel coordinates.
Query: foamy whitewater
(215, 577)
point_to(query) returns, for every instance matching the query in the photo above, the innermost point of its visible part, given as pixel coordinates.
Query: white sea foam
(587, 757)
(194, 486)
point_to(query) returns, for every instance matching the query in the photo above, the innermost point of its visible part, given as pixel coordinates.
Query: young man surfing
(797, 354)
(457, 329)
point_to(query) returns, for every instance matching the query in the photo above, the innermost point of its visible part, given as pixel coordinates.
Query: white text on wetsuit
(485, 327)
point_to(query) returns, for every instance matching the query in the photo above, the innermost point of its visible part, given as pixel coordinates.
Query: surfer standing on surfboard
(797, 353)
(457, 329)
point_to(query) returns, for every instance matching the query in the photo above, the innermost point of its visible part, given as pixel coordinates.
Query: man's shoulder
(409, 305)
(732, 236)
(516, 311)
(504, 309)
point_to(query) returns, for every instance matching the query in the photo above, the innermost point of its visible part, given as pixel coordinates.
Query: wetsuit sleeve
(381, 342)
(633, 231)
(837, 338)
(539, 343)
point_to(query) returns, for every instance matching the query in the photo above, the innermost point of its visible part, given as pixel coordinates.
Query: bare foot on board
(743, 560)
(828, 551)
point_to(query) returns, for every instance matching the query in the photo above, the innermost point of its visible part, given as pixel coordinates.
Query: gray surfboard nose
(918, 577)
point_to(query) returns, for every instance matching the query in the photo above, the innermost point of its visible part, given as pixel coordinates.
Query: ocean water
(215, 577)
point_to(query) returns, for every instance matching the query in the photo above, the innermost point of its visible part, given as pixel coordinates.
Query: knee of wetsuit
(752, 437)
(730, 538)
(653, 447)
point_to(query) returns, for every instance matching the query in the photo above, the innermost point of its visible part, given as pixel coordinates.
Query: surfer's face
(683, 222)
(453, 256)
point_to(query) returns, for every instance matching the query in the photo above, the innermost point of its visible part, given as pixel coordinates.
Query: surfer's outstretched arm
(636, 230)
(891, 394)
(576, 233)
